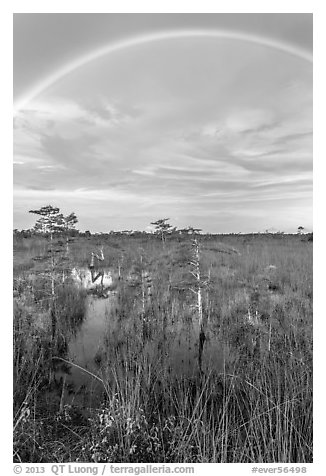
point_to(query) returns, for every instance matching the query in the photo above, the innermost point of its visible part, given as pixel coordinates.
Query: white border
(169, 6)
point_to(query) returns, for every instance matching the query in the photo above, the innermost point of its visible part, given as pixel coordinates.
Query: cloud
(202, 125)
(250, 121)
(99, 112)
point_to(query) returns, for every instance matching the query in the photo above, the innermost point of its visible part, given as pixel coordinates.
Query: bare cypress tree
(197, 289)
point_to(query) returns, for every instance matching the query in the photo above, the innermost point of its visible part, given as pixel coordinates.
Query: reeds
(256, 407)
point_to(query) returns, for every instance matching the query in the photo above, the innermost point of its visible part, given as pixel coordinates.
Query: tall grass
(255, 407)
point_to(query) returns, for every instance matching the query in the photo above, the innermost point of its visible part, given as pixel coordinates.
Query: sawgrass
(256, 407)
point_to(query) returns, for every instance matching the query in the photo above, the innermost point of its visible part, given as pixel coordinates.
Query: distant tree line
(52, 222)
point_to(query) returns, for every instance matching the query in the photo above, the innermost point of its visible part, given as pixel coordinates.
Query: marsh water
(106, 346)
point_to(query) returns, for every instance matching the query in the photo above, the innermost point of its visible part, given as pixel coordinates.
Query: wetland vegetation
(145, 372)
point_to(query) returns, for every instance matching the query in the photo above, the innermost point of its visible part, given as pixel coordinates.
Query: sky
(205, 119)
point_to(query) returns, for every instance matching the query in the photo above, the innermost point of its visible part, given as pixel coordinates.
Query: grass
(256, 407)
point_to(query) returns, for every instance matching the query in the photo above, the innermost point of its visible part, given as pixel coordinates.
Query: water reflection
(108, 344)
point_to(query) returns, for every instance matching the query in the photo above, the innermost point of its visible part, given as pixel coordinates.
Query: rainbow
(151, 38)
